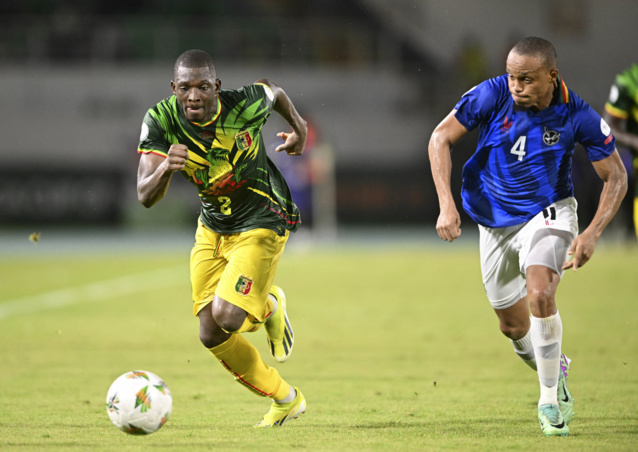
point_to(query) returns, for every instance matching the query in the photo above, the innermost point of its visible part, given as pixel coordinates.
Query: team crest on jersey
(207, 135)
(507, 124)
(244, 284)
(244, 140)
(550, 137)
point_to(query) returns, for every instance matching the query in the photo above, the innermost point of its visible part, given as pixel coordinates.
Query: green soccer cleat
(278, 330)
(280, 413)
(565, 399)
(551, 420)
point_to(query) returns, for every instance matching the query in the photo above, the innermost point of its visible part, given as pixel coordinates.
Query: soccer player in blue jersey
(517, 186)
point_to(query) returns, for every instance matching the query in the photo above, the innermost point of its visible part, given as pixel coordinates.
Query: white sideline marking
(97, 291)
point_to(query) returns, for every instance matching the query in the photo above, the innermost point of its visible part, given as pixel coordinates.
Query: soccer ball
(139, 402)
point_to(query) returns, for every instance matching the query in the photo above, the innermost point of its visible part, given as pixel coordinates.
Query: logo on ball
(139, 402)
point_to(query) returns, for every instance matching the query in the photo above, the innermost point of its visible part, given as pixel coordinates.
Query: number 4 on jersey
(519, 147)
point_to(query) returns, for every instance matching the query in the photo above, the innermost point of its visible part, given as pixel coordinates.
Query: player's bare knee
(210, 334)
(229, 323)
(206, 338)
(514, 331)
(541, 301)
(212, 338)
(228, 317)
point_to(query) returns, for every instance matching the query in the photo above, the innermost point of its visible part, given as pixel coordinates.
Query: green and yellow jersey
(623, 104)
(623, 98)
(239, 187)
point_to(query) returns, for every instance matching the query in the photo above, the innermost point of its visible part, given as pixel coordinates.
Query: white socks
(524, 349)
(546, 336)
(275, 304)
(289, 398)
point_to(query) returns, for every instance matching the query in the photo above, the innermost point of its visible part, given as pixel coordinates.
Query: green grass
(395, 350)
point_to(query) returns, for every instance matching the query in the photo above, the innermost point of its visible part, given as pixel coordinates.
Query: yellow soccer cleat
(280, 413)
(278, 330)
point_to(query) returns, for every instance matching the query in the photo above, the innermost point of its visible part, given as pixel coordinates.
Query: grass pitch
(396, 348)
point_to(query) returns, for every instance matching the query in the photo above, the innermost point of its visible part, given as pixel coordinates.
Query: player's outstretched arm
(155, 171)
(295, 141)
(612, 171)
(445, 135)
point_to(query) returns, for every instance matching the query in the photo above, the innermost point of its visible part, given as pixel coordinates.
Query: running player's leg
(547, 334)
(544, 271)
(550, 234)
(505, 287)
(546, 329)
(248, 284)
(241, 304)
(241, 359)
(514, 323)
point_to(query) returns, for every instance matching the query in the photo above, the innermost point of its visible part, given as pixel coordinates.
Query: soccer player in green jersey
(621, 113)
(213, 137)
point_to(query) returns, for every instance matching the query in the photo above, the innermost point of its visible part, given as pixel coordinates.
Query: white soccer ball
(139, 402)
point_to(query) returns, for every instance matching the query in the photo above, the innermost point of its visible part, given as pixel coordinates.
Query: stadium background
(106, 288)
(373, 78)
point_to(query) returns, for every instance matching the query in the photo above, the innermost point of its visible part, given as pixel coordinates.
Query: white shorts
(507, 252)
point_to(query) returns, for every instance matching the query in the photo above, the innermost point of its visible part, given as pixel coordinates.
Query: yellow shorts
(240, 268)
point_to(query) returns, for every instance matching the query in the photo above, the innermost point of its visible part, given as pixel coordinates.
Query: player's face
(196, 91)
(531, 84)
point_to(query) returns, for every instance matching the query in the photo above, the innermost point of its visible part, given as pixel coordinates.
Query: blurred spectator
(621, 113)
(299, 175)
(471, 63)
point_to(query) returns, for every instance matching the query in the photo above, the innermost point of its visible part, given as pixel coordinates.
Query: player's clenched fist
(448, 225)
(176, 157)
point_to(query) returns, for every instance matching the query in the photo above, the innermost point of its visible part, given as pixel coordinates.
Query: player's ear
(553, 75)
(218, 85)
(173, 86)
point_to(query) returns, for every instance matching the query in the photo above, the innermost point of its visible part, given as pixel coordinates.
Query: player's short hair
(534, 46)
(195, 59)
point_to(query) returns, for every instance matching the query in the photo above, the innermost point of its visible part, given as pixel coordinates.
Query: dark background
(373, 78)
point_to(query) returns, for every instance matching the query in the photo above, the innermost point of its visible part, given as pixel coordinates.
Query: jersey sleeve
(152, 136)
(591, 130)
(263, 91)
(252, 105)
(477, 105)
(257, 95)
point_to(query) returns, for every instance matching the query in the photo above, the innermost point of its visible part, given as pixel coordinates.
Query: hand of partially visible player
(176, 157)
(448, 225)
(293, 145)
(580, 250)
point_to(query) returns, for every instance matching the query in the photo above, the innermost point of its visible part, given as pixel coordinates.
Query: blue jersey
(523, 160)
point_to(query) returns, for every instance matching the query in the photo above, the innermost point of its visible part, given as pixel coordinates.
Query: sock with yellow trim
(242, 360)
